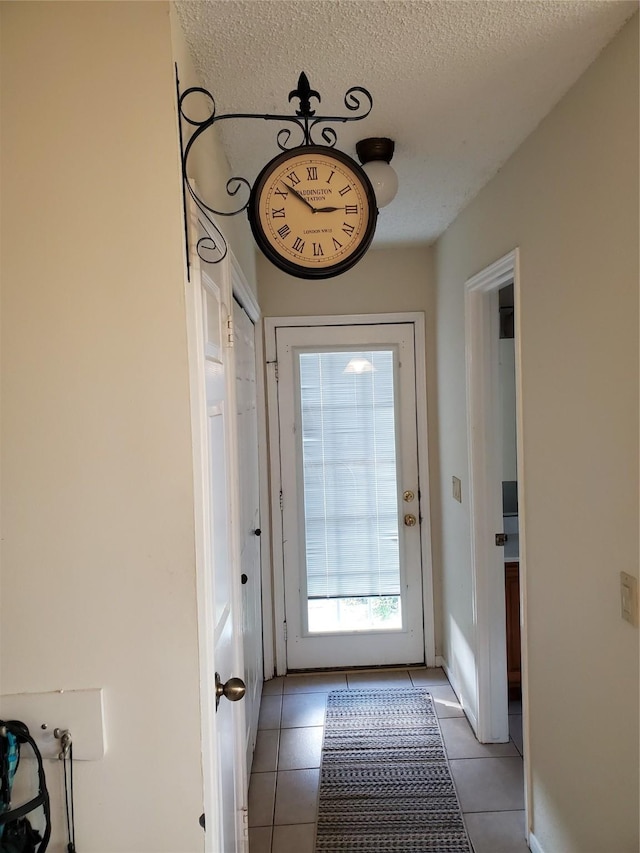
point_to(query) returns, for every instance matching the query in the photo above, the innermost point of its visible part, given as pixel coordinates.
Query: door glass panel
(349, 472)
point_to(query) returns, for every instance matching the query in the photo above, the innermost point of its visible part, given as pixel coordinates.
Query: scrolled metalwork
(328, 135)
(284, 135)
(352, 102)
(305, 121)
(211, 243)
(192, 91)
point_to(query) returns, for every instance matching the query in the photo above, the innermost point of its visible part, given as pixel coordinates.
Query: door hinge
(285, 631)
(245, 823)
(281, 502)
(230, 331)
(275, 370)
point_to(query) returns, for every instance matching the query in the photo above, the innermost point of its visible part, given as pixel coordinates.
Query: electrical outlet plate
(457, 489)
(629, 598)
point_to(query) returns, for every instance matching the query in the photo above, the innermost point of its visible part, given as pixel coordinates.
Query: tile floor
(286, 764)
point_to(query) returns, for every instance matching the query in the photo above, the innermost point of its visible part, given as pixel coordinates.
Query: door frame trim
(245, 296)
(485, 509)
(202, 559)
(271, 324)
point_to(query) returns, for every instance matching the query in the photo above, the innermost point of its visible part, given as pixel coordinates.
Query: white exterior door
(217, 557)
(249, 487)
(350, 495)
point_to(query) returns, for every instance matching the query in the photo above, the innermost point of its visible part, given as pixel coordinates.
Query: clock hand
(298, 195)
(327, 209)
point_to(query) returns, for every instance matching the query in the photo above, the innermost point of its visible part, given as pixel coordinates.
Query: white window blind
(349, 474)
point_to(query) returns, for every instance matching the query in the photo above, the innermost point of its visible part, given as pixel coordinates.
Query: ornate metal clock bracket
(212, 248)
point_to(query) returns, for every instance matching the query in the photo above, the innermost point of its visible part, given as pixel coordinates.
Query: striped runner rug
(385, 783)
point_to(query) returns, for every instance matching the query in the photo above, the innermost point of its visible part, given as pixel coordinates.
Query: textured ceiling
(458, 85)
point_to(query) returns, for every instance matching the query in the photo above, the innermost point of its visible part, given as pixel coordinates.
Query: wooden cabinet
(512, 599)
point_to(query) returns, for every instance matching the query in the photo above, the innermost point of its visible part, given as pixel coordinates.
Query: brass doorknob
(410, 520)
(233, 689)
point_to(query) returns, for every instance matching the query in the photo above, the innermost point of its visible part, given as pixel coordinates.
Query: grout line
(496, 811)
(484, 757)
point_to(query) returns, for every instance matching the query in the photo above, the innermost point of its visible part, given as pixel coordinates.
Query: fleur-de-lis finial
(304, 93)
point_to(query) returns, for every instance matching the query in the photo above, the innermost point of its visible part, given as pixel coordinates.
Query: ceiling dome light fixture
(375, 155)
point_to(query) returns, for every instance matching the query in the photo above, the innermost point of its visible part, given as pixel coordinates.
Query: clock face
(313, 212)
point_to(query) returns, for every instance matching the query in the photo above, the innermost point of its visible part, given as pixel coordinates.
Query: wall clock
(313, 212)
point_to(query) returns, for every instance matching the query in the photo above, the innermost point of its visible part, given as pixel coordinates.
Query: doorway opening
(494, 412)
(352, 557)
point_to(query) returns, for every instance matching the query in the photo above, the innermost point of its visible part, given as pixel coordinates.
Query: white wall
(208, 165)
(98, 583)
(569, 199)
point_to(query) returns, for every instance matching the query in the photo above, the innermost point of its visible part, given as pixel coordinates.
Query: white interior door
(213, 424)
(350, 495)
(249, 488)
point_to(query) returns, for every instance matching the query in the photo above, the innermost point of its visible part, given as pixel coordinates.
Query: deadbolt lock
(410, 520)
(408, 496)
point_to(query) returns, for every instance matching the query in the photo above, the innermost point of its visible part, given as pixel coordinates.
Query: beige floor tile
(384, 678)
(260, 839)
(496, 832)
(445, 701)
(296, 796)
(460, 741)
(320, 683)
(303, 709)
(300, 748)
(489, 784)
(297, 838)
(273, 686)
(428, 676)
(262, 788)
(270, 712)
(265, 756)
(515, 730)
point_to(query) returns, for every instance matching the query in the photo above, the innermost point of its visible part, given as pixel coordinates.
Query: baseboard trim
(534, 844)
(473, 720)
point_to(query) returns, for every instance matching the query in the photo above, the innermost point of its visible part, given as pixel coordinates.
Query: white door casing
(485, 501)
(212, 394)
(250, 532)
(332, 333)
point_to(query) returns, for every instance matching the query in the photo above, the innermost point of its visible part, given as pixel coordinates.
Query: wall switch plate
(457, 489)
(629, 598)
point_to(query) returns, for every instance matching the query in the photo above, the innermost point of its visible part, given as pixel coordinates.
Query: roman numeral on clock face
(336, 244)
(281, 193)
(298, 245)
(293, 178)
(277, 214)
(348, 229)
(345, 190)
(351, 209)
(317, 250)
(312, 173)
(284, 231)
